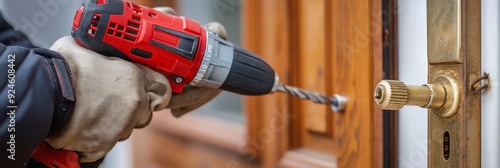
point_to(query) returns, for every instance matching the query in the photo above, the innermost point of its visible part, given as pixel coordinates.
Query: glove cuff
(65, 97)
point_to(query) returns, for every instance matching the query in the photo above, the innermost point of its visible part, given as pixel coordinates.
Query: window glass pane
(227, 12)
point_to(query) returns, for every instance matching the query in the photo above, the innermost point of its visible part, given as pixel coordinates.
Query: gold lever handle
(441, 95)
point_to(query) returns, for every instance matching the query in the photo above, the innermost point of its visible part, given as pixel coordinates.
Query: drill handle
(47, 157)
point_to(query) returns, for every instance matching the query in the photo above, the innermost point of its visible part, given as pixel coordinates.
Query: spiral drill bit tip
(307, 95)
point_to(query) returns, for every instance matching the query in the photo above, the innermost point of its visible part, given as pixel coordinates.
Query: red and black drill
(178, 47)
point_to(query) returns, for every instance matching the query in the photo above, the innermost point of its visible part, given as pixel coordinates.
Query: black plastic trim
(141, 53)
(188, 44)
(88, 41)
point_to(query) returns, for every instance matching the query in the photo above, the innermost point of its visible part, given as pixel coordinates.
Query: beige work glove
(113, 96)
(193, 97)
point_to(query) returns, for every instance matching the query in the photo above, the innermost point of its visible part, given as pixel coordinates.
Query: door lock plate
(444, 31)
(454, 50)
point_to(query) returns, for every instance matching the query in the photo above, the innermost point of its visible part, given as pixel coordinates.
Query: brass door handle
(441, 95)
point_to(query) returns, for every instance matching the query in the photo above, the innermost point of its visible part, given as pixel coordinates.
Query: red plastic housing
(51, 157)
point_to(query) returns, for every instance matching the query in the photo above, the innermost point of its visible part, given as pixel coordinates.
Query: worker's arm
(43, 97)
(31, 99)
(30, 96)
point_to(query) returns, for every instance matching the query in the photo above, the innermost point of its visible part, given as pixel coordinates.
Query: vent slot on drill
(133, 28)
(136, 18)
(129, 38)
(94, 23)
(151, 14)
(132, 31)
(101, 2)
(132, 24)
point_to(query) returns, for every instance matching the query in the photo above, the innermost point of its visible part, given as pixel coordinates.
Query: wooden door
(332, 47)
(325, 46)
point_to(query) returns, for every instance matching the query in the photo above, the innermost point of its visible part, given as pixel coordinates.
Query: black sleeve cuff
(65, 98)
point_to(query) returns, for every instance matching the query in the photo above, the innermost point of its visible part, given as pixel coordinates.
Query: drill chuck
(250, 75)
(232, 68)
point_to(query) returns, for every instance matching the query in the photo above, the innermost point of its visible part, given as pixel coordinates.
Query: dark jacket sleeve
(36, 96)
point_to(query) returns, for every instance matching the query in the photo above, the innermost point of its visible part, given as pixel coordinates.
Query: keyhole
(379, 94)
(446, 145)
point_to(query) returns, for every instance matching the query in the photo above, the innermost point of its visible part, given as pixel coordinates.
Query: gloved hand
(193, 97)
(113, 97)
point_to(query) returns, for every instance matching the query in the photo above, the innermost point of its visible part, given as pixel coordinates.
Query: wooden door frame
(390, 68)
(267, 116)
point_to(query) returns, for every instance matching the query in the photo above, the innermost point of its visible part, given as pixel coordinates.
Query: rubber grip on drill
(249, 74)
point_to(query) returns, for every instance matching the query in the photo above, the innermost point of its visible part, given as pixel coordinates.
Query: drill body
(178, 47)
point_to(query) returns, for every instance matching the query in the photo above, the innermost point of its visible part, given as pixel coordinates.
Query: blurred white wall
(490, 127)
(412, 20)
(44, 21)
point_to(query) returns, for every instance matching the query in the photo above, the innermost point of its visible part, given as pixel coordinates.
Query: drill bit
(307, 95)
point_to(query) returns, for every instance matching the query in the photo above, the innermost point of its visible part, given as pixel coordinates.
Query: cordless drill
(178, 47)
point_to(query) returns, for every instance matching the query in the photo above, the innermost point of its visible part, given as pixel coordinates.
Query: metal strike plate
(444, 31)
(454, 50)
